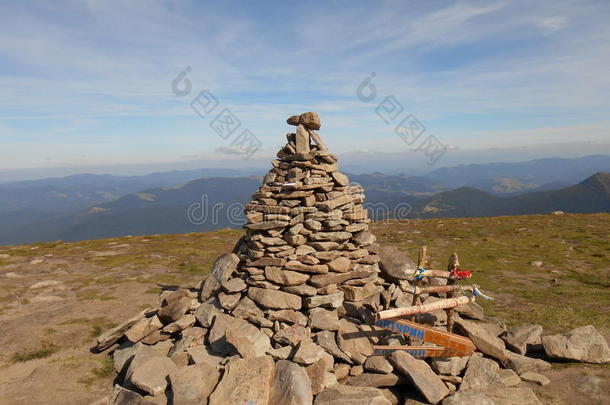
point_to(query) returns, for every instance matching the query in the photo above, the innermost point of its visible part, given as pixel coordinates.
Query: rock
(274, 299)
(421, 375)
(484, 340)
(245, 381)
(512, 396)
(327, 340)
(222, 269)
(307, 353)
(302, 290)
(584, 344)
(291, 385)
(151, 375)
(293, 120)
(288, 316)
(481, 373)
(341, 264)
(341, 370)
(192, 385)
(523, 338)
(328, 301)
(396, 264)
(123, 354)
(536, 263)
(228, 301)
(108, 338)
(247, 309)
(372, 380)
(320, 374)
(509, 377)
(174, 310)
(471, 310)
(206, 312)
(184, 322)
(122, 396)
(522, 364)
(355, 293)
(450, 365)
(248, 340)
(285, 277)
(344, 395)
(292, 335)
(324, 320)
(310, 120)
(234, 285)
(353, 342)
(302, 140)
(468, 398)
(356, 370)
(340, 178)
(378, 364)
(143, 328)
(535, 378)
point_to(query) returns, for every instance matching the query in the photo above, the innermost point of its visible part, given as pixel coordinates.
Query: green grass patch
(45, 351)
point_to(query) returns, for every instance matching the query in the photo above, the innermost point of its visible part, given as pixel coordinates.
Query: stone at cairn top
(309, 120)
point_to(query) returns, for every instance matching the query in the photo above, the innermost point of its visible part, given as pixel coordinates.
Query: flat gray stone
(481, 373)
(581, 344)
(468, 398)
(523, 338)
(344, 395)
(483, 339)
(449, 365)
(245, 381)
(378, 364)
(192, 385)
(274, 299)
(421, 375)
(522, 364)
(222, 269)
(291, 385)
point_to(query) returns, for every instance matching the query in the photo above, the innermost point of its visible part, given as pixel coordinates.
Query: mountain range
(97, 206)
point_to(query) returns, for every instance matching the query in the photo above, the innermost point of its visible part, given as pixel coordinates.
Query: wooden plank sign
(415, 351)
(456, 344)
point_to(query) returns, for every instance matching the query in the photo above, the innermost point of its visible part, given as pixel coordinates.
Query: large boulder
(245, 381)
(581, 344)
(395, 263)
(481, 373)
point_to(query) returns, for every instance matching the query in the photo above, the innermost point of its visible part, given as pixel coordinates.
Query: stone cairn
(287, 318)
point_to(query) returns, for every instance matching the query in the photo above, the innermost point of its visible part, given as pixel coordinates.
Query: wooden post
(424, 308)
(454, 263)
(421, 263)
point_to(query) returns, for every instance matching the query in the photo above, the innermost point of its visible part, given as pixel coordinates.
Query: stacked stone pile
(287, 317)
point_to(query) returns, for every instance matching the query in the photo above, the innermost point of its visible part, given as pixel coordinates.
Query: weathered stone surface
(324, 320)
(192, 385)
(108, 338)
(523, 338)
(582, 344)
(375, 380)
(247, 309)
(513, 396)
(356, 293)
(285, 277)
(222, 269)
(245, 381)
(509, 377)
(303, 290)
(328, 341)
(307, 353)
(378, 364)
(344, 395)
(310, 120)
(535, 378)
(248, 340)
(395, 263)
(328, 301)
(353, 342)
(340, 178)
(274, 299)
(484, 340)
(322, 280)
(468, 398)
(202, 354)
(307, 268)
(291, 385)
(341, 264)
(450, 365)
(122, 396)
(151, 375)
(123, 354)
(221, 327)
(228, 301)
(302, 140)
(481, 373)
(289, 316)
(522, 364)
(421, 375)
(292, 335)
(174, 310)
(184, 322)
(267, 225)
(143, 328)
(234, 285)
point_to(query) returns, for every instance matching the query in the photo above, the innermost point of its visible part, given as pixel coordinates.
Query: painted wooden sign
(452, 345)
(415, 351)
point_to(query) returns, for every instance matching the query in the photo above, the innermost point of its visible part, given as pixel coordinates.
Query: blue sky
(87, 83)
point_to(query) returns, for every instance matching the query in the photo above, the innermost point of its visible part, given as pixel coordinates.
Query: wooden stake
(421, 263)
(454, 263)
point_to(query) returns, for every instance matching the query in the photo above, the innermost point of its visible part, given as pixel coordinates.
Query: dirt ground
(56, 298)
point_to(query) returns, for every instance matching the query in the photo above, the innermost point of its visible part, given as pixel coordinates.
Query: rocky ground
(548, 270)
